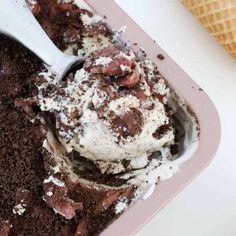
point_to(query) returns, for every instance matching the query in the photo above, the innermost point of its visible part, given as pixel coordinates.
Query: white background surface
(207, 207)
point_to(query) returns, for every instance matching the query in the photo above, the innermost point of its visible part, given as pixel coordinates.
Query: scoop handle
(17, 21)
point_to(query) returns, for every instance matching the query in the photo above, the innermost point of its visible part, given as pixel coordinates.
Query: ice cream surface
(111, 110)
(112, 117)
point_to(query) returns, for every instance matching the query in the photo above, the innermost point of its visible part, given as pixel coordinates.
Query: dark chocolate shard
(56, 196)
(5, 228)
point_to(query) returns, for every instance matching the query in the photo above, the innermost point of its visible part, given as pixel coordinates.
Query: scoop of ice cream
(112, 111)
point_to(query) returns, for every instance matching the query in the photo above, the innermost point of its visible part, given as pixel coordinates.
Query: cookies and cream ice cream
(113, 117)
(76, 153)
(111, 110)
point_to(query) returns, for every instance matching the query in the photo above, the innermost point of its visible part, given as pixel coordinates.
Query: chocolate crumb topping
(160, 56)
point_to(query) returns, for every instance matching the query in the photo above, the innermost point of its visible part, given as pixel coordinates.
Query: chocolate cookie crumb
(160, 57)
(161, 131)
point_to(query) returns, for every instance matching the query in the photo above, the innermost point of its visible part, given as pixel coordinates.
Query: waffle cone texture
(219, 17)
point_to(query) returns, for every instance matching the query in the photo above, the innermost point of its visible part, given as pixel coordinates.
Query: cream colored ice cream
(111, 110)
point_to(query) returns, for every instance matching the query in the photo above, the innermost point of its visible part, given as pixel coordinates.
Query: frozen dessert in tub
(112, 129)
(117, 114)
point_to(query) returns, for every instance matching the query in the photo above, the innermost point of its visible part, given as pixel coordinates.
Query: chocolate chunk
(5, 228)
(56, 197)
(160, 56)
(129, 124)
(161, 131)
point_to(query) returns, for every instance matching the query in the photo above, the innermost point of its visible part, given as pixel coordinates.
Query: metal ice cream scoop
(18, 22)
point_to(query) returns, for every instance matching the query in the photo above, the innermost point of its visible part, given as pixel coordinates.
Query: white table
(207, 207)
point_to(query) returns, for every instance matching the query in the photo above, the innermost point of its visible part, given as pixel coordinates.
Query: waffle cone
(219, 17)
